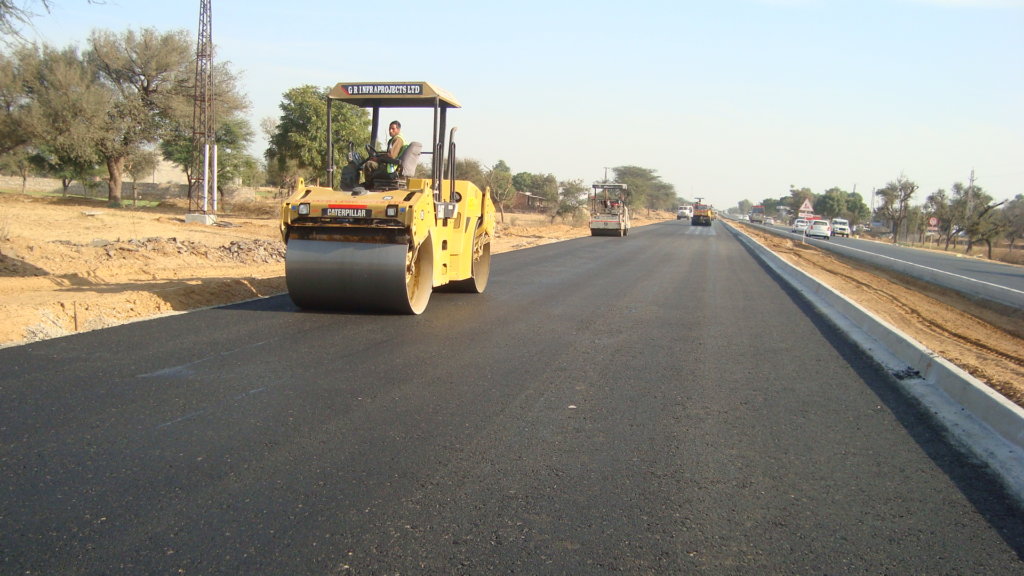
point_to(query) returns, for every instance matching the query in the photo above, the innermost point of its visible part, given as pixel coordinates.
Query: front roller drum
(359, 277)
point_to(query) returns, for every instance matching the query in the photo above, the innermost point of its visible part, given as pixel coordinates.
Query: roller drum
(357, 276)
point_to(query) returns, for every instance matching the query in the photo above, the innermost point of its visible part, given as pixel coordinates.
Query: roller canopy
(392, 95)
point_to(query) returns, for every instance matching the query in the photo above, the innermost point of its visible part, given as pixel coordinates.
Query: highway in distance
(974, 277)
(654, 404)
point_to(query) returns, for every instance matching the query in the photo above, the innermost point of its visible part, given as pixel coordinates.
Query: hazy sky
(725, 99)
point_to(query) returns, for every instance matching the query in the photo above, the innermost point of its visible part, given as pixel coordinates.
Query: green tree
(980, 219)
(141, 69)
(939, 206)
(1014, 215)
(232, 131)
(895, 198)
(68, 106)
(831, 204)
(545, 187)
(645, 189)
(857, 211)
(499, 178)
(572, 195)
(472, 170)
(139, 165)
(14, 100)
(298, 146)
(522, 181)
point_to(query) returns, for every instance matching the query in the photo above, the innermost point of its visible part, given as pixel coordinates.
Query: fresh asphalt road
(655, 404)
(979, 279)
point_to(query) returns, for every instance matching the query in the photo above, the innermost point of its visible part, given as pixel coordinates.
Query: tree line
(116, 107)
(966, 211)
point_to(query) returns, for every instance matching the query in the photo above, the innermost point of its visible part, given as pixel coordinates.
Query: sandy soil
(71, 265)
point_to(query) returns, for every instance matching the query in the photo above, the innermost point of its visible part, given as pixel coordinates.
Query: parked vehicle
(819, 229)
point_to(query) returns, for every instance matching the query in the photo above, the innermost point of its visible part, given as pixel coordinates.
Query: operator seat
(407, 162)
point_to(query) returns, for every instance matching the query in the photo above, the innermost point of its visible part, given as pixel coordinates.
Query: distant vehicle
(609, 215)
(685, 212)
(840, 227)
(799, 226)
(757, 214)
(744, 218)
(769, 221)
(820, 229)
(703, 214)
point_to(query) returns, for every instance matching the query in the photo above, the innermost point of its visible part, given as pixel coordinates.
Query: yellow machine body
(385, 247)
(338, 216)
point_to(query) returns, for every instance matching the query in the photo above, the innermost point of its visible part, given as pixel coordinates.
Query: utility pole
(203, 175)
(970, 194)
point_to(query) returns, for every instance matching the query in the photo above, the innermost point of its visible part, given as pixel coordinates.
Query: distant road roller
(384, 245)
(609, 215)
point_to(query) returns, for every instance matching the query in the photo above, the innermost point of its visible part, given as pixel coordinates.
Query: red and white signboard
(806, 210)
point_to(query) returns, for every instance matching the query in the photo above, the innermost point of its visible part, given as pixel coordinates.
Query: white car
(840, 227)
(799, 226)
(820, 229)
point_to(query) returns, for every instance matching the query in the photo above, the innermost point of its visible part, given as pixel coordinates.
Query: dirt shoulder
(72, 265)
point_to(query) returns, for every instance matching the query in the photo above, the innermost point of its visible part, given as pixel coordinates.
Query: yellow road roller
(384, 244)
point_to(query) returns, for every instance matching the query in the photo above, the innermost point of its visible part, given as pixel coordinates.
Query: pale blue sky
(725, 99)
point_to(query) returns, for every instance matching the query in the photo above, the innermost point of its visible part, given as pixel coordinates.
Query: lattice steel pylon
(203, 173)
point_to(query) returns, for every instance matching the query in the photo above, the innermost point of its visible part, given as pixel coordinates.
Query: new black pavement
(655, 404)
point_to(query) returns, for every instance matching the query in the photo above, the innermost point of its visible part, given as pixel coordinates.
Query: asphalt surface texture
(654, 404)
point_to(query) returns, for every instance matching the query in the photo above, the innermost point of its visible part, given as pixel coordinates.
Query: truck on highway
(757, 214)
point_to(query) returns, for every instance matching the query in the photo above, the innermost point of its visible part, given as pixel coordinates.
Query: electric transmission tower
(202, 189)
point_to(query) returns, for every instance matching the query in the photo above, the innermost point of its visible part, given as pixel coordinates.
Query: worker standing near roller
(396, 144)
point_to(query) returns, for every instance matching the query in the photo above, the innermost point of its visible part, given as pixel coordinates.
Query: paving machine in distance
(703, 214)
(609, 215)
(384, 245)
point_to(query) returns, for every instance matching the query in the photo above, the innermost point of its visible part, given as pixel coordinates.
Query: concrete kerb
(983, 422)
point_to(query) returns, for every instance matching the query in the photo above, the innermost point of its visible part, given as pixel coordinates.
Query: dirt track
(69, 265)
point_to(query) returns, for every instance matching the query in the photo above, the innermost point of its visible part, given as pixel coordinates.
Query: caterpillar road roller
(609, 215)
(384, 244)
